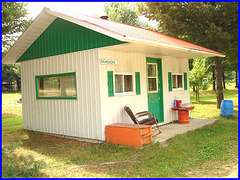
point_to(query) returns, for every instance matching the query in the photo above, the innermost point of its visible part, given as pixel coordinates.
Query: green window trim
(170, 81)
(137, 79)
(185, 81)
(110, 84)
(55, 75)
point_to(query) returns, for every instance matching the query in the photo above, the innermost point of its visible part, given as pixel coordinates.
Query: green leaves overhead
(14, 21)
(125, 12)
(213, 25)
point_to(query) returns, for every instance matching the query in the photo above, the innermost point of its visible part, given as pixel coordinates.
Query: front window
(123, 83)
(177, 81)
(56, 86)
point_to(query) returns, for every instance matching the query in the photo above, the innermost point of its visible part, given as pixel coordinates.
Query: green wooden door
(155, 88)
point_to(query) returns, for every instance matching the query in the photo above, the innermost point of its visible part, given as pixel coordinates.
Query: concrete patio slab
(173, 129)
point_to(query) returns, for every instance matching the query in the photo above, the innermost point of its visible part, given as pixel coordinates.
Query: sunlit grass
(10, 97)
(205, 152)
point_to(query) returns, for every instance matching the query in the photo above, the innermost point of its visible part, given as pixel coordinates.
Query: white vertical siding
(78, 118)
(112, 107)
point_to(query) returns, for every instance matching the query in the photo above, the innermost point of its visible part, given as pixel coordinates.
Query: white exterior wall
(78, 118)
(112, 107)
(87, 116)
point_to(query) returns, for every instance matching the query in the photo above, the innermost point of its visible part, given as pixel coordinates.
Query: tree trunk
(236, 73)
(218, 62)
(19, 84)
(196, 93)
(224, 84)
(214, 80)
(194, 88)
(8, 86)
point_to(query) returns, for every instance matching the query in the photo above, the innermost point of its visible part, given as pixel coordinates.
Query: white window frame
(182, 88)
(124, 93)
(153, 77)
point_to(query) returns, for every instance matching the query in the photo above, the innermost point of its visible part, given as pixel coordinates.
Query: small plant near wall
(198, 75)
(14, 165)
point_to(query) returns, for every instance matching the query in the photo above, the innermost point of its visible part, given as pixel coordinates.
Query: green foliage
(197, 75)
(11, 73)
(14, 21)
(212, 25)
(14, 165)
(124, 12)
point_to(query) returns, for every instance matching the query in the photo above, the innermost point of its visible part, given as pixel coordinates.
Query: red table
(183, 114)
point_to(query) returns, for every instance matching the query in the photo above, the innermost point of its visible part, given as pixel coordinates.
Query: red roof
(140, 33)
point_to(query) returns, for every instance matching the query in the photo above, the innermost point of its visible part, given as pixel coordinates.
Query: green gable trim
(63, 37)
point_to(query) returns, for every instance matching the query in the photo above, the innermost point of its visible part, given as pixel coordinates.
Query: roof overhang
(184, 52)
(47, 16)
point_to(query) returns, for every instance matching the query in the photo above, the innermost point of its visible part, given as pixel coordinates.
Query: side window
(56, 86)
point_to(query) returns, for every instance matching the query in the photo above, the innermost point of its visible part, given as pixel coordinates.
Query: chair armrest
(141, 112)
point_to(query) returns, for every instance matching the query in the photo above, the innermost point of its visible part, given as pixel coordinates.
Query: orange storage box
(128, 134)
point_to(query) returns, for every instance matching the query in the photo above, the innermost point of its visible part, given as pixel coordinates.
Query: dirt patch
(228, 170)
(46, 138)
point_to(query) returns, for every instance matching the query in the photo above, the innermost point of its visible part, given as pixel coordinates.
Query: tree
(11, 73)
(14, 22)
(197, 75)
(126, 13)
(210, 24)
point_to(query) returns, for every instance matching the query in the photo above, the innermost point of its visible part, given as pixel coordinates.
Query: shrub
(14, 165)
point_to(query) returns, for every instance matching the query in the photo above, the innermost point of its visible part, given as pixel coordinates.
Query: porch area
(173, 129)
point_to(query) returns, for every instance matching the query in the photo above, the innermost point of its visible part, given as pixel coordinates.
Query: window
(152, 77)
(123, 83)
(177, 81)
(56, 86)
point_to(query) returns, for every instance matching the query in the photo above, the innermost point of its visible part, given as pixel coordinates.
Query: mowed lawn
(211, 151)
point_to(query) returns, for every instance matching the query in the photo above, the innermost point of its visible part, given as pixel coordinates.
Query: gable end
(63, 37)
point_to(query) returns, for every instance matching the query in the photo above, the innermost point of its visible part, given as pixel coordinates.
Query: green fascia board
(63, 37)
(54, 75)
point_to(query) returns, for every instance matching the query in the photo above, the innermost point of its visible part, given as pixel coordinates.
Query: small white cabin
(78, 72)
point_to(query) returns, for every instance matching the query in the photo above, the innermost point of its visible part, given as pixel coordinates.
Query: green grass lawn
(211, 151)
